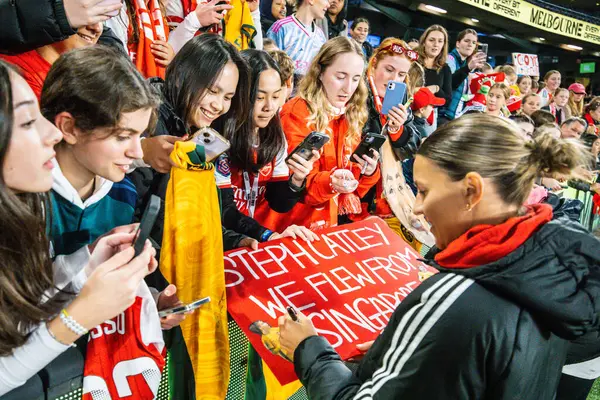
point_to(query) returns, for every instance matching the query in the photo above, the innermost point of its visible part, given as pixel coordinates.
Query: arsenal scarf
(151, 26)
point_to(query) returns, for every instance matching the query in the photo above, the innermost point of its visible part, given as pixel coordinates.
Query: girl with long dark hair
(37, 326)
(256, 180)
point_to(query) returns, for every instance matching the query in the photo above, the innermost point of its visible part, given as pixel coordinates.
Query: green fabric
(256, 387)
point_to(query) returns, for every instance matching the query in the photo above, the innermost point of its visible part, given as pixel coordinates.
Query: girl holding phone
(34, 333)
(391, 61)
(254, 177)
(331, 100)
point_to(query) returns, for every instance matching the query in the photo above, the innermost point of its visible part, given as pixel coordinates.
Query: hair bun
(553, 156)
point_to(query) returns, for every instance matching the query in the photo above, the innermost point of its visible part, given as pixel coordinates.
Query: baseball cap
(424, 97)
(577, 88)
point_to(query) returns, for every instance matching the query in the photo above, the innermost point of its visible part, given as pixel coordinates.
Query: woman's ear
(66, 124)
(474, 186)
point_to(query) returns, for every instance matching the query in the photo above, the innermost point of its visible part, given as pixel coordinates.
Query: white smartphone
(214, 144)
(184, 308)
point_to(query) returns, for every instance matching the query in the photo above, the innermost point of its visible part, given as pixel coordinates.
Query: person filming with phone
(330, 103)
(465, 58)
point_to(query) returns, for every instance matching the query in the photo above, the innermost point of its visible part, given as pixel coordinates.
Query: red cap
(424, 97)
(577, 88)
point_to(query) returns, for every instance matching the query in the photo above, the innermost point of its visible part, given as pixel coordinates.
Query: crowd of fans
(95, 96)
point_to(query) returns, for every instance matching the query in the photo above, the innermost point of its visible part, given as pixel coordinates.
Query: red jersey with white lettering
(118, 364)
(245, 184)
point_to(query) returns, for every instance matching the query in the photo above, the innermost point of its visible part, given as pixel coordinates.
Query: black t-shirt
(443, 79)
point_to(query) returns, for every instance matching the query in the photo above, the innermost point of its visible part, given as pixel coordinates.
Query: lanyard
(251, 195)
(376, 99)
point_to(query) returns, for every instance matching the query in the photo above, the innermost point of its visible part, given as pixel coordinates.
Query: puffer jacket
(28, 24)
(498, 331)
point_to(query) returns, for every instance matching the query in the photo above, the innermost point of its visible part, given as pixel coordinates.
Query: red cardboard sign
(349, 283)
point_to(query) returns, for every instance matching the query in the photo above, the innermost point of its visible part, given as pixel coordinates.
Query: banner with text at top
(348, 283)
(538, 17)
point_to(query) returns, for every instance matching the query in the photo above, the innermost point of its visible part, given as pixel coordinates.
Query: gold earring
(468, 208)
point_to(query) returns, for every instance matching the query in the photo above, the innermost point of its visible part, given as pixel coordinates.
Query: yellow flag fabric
(276, 391)
(192, 259)
(239, 26)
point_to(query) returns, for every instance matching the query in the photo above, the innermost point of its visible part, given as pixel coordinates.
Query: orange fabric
(395, 136)
(319, 207)
(152, 26)
(484, 244)
(33, 67)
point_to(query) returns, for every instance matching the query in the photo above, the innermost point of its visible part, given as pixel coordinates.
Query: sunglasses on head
(396, 48)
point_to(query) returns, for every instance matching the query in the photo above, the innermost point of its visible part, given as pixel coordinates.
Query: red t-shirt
(33, 68)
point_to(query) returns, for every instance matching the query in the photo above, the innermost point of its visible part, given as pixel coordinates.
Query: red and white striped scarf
(152, 26)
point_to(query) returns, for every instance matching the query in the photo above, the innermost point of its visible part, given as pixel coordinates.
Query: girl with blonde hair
(331, 100)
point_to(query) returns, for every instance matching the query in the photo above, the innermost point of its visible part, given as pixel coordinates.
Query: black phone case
(148, 221)
(366, 147)
(309, 144)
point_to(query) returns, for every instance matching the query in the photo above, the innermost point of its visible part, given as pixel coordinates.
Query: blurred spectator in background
(334, 24)
(269, 45)
(552, 81)
(433, 52)
(576, 99)
(558, 105)
(413, 43)
(592, 115)
(573, 128)
(271, 11)
(359, 31)
(530, 104)
(286, 70)
(461, 61)
(524, 83)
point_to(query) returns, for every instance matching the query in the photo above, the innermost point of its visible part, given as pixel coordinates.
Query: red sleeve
(293, 120)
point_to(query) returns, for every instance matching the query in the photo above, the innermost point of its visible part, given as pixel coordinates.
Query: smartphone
(394, 95)
(483, 48)
(371, 141)
(148, 220)
(184, 308)
(214, 144)
(110, 3)
(314, 141)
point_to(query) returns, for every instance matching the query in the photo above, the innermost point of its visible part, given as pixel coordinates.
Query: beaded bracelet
(70, 323)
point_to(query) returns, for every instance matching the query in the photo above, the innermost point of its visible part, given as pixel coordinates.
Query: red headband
(398, 49)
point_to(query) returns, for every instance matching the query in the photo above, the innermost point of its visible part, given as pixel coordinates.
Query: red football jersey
(118, 364)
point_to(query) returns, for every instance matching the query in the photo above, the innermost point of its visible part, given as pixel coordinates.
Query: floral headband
(396, 48)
